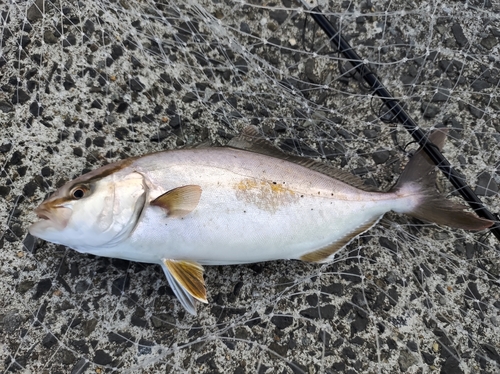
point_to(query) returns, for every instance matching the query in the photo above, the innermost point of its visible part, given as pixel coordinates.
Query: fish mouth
(43, 216)
(50, 218)
(44, 213)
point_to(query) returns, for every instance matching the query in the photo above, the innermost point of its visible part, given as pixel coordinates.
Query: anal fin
(324, 254)
(186, 280)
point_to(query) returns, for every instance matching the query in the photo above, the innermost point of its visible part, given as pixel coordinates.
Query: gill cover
(122, 209)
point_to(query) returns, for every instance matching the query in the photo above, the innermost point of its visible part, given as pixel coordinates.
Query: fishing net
(85, 83)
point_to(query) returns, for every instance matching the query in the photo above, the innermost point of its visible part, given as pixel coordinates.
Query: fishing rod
(400, 114)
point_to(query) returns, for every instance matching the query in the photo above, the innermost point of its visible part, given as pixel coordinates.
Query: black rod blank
(400, 114)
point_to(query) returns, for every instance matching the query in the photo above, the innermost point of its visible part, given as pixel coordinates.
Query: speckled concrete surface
(86, 83)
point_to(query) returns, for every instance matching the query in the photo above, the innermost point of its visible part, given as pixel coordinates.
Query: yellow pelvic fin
(180, 201)
(189, 275)
(323, 254)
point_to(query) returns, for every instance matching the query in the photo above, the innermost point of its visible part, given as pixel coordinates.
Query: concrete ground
(83, 84)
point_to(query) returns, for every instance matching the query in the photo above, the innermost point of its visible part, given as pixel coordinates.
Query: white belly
(223, 230)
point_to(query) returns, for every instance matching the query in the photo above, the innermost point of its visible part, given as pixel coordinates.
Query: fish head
(95, 210)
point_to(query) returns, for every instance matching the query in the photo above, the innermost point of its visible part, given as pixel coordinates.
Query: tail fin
(433, 207)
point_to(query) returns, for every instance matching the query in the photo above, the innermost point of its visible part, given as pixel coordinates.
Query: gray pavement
(83, 84)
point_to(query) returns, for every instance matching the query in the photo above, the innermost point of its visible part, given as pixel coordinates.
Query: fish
(242, 203)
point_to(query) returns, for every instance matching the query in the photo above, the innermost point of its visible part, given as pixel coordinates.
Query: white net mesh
(87, 83)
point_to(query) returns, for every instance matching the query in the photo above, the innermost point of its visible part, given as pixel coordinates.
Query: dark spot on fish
(301, 195)
(274, 182)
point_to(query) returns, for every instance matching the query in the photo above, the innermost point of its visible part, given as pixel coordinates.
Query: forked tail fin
(420, 175)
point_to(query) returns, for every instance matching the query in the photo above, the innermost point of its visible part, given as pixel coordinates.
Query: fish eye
(78, 192)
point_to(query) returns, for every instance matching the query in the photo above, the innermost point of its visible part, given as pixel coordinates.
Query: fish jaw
(53, 219)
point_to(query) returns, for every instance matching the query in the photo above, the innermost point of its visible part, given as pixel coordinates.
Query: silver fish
(243, 203)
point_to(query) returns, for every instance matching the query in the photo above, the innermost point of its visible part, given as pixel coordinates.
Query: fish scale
(237, 221)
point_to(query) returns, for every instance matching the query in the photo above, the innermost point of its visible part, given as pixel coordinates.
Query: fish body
(229, 205)
(246, 202)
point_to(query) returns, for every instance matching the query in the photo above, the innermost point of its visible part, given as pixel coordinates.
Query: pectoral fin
(186, 280)
(180, 201)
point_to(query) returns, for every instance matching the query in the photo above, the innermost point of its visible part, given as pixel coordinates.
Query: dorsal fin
(251, 140)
